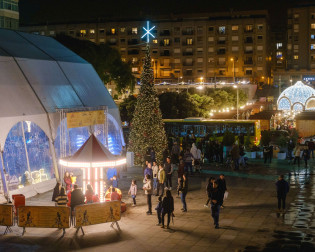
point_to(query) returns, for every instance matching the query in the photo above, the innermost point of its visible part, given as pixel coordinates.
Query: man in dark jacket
(282, 190)
(222, 186)
(183, 191)
(216, 202)
(168, 168)
(77, 197)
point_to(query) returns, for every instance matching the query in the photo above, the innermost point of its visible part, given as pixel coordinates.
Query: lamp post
(235, 86)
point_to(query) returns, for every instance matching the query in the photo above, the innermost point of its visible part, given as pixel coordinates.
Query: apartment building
(208, 48)
(298, 61)
(9, 14)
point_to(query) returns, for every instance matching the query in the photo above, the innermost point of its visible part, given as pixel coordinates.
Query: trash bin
(18, 200)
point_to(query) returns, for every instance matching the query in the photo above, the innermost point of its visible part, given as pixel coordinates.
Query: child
(159, 211)
(155, 169)
(115, 181)
(133, 191)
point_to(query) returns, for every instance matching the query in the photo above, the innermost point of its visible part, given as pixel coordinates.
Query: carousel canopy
(297, 97)
(93, 154)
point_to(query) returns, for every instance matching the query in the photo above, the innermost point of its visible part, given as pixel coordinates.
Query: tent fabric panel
(16, 96)
(51, 47)
(16, 46)
(83, 77)
(50, 84)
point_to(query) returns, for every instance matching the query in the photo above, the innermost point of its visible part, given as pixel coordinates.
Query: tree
(105, 60)
(127, 108)
(147, 127)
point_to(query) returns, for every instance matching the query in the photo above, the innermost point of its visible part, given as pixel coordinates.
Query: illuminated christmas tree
(147, 127)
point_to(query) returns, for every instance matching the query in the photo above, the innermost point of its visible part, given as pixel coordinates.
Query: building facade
(9, 14)
(214, 48)
(296, 60)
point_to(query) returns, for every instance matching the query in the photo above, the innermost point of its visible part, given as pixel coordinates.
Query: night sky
(67, 11)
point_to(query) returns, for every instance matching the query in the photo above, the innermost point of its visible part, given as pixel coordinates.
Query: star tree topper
(148, 32)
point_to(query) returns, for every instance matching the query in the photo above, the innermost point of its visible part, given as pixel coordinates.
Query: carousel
(92, 158)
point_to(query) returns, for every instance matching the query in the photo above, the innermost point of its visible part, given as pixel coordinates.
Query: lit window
(92, 31)
(51, 32)
(259, 58)
(82, 33)
(134, 69)
(296, 47)
(234, 38)
(166, 42)
(312, 46)
(234, 27)
(177, 61)
(289, 46)
(177, 50)
(260, 27)
(123, 59)
(134, 30)
(296, 57)
(134, 60)
(296, 16)
(200, 49)
(296, 28)
(249, 28)
(279, 45)
(210, 49)
(234, 48)
(155, 41)
(313, 26)
(189, 41)
(113, 31)
(200, 60)
(222, 29)
(312, 36)
(210, 39)
(122, 29)
(211, 60)
(279, 54)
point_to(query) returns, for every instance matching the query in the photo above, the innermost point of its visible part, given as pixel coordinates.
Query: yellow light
(232, 59)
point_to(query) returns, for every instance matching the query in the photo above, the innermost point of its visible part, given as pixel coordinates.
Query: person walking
(222, 187)
(180, 172)
(183, 191)
(282, 191)
(311, 147)
(209, 190)
(161, 181)
(305, 155)
(235, 154)
(159, 211)
(167, 208)
(266, 152)
(290, 150)
(216, 202)
(175, 152)
(168, 172)
(147, 187)
(62, 198)
(133, 192)
(188, 158)
(155, 170)
(297, 154)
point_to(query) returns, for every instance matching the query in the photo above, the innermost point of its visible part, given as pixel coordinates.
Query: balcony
(187, 44)
(133, 42)
(249, 41)
(248, 62)
(220, 52)
(133, 52)
(221, 42)
(165, 53)
(188, 32)
(248, 52)
(165, 33)
(248, 30)
(188, 53)
(188, 63)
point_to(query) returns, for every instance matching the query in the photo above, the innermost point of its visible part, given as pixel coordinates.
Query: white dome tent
(39, 77)
(298, 97)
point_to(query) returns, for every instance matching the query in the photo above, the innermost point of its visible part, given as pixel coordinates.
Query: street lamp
(235, 86)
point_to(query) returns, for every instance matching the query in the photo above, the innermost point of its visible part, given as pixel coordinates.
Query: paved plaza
(249, 221)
